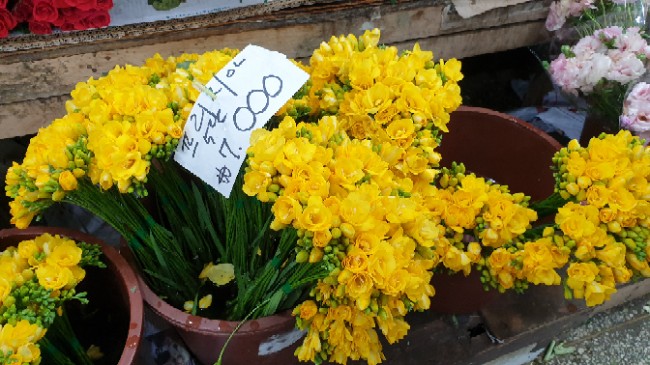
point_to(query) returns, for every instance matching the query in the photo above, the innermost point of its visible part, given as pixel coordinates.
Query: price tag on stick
(241, 97)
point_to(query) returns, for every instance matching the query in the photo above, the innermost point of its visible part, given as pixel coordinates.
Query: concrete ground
(618, 336)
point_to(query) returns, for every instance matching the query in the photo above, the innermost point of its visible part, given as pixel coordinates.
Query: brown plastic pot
(265, 341)
(459, 294)
(501, 147)
(594, 125)
(113, 290)
(511, 152)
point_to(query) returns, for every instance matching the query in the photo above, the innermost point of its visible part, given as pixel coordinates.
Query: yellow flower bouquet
(117, 137)
(38, 277)
(352, 166)
(341, 210)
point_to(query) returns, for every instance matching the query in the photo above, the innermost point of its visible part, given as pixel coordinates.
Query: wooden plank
(25, 80)
(25, 117)
(22, 118)
(472, 43)
(271, 15)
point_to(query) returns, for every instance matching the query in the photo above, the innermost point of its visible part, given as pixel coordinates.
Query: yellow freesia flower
(220, 274)
(65, 254)
(54, 277)
(315, 216)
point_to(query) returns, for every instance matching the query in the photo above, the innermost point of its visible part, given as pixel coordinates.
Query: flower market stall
(61, 60)
(281, 208)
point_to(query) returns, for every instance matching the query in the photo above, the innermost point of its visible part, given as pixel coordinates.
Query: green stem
(155, 249)
(61, 346)
(223, 349)
(548, 206)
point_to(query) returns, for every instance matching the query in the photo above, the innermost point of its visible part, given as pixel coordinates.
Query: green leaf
(165, 4)
(272, 306)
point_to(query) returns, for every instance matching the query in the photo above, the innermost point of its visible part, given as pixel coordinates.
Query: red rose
(96, 19)
(104, 4)
(61, 4)
(40, 27)
(86, 4)
(67, 26)
(44, 11)
(3, 4)
(7, 22)
(79, 4)
(69, 19)
(23, 10)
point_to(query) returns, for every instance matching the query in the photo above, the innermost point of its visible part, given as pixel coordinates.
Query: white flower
(595, 69)
(626, 68)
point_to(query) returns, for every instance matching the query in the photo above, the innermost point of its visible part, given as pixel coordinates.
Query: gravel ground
(620, 336)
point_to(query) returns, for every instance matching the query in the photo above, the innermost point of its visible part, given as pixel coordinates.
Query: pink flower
(556, 17)
(609, 33)
(577, 7)
(611, 54)
(595, 69)
(636, 110)
(560, 11)
(588, 45)
(565, 73)
(633, 41)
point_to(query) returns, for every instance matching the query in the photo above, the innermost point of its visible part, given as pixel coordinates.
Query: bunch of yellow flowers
(479, 215)
(605, 222)
(100, 154)
(115, 125)
(600, 229)
(352, 213)
(36, 278)
(350, 165)
(400, 101)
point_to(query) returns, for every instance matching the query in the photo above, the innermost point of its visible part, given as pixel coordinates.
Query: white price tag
(249, 91)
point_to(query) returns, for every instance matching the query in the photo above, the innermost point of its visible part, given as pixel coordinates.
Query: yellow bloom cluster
(18, 343)
(350, 165)
(400, 101)
(478, 216)
(606, 224)
(115, 125)
(485, 227)
(36, 278)
(369, 227)
(537, 262)
(51, 165)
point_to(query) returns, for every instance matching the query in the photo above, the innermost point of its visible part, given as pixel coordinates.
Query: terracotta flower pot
(264, 341)
(512, 152)
(113, 290)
